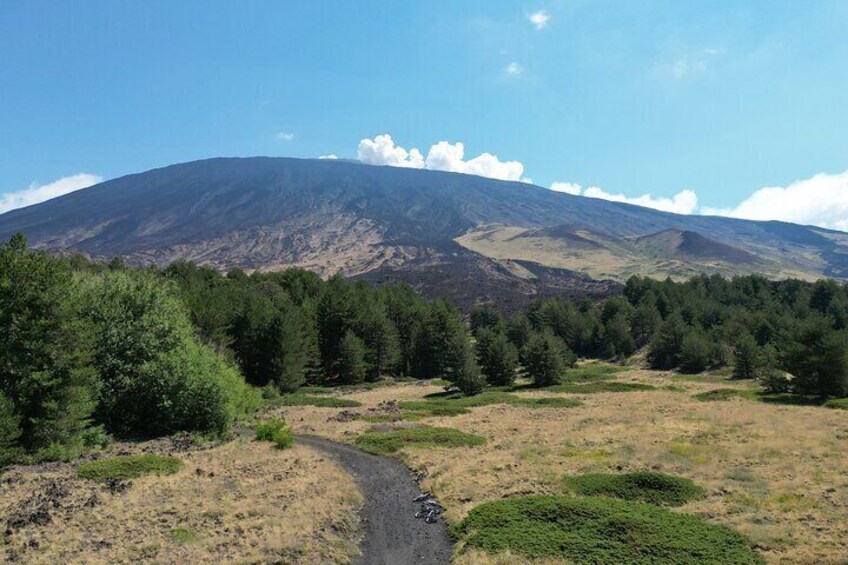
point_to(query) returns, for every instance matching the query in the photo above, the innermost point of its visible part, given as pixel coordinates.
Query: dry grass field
(776, 473)
(611, 259)
(240, 502)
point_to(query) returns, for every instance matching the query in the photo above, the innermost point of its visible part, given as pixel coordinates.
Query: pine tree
(646, 320)
(818, 358)
(519, 330)
(352, 363)
(694, 353)
(334, 316)
(485, 316)
(437, 341)
(462, 369)
(546, 359)
(380, 338)
(667, 344)
(10, 432)
(44, 351)
(616, 333)
(497, 357)
(746, 358)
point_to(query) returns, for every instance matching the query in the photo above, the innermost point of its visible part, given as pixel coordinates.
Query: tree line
(90, 350)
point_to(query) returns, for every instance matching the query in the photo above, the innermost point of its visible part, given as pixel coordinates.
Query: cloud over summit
(443, 156)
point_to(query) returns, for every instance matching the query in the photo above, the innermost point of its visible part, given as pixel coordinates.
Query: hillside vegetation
(90, 350)
(735, 426)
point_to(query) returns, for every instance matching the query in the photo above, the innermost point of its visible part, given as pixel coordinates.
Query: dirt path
(393, 536)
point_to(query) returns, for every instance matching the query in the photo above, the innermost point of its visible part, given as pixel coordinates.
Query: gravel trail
(393, 536)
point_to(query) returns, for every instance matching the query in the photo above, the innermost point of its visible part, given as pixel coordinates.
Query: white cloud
(285, 136)
(821, 201)
(382, 151)
(330, 156)
(684, 202)
(539, 19)
(513, 69)
(443, 156)
(36, 193)
(568, 187)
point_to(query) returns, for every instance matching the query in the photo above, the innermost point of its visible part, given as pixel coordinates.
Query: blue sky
(626, 99)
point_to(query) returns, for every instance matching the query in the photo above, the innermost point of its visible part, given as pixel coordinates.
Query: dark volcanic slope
(335, 216)
(694, 245)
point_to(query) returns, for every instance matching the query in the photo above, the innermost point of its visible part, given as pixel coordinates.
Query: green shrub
(434, 407)
(837, 403)
(601, 531)
(277, 432)
(453, 404)
(129, 467)
(386, 443)
(600, 386)
(266, 430)
(298, 399)
(283, 438)
(591, 372)
(644, 486)
(547, 402)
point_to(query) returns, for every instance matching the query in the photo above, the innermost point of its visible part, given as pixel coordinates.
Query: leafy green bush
(837, 403)
(601, 531)
(644, 486)
(386, 443)
(298, 399)
(277, 432)
(265, 431)
(283, 438)
(155, 376)
(129, 467)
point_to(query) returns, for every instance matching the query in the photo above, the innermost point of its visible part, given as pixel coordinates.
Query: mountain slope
(331, 216)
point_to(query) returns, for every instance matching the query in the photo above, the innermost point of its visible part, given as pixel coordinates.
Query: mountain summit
(459, 234)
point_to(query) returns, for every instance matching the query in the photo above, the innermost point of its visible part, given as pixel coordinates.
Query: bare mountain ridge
(387, 223)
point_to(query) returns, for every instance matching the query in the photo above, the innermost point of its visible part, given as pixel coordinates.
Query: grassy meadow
(747, 478)
(771, 472)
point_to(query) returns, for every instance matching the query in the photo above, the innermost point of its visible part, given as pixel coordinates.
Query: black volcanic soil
(469, 279)
(393, 536)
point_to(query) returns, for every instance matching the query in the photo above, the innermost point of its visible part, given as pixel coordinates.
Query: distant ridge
(333, 215)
